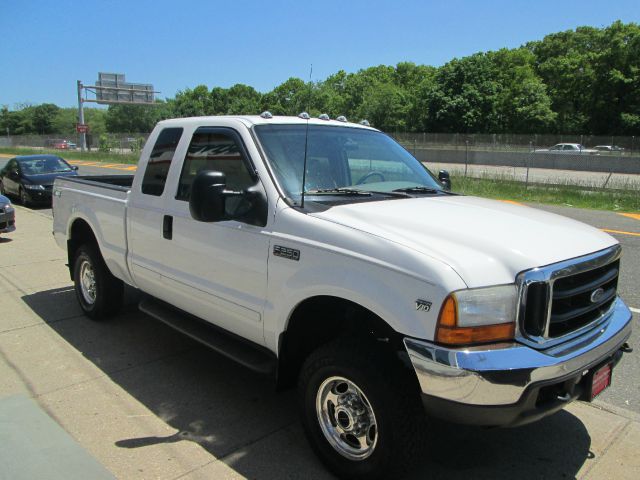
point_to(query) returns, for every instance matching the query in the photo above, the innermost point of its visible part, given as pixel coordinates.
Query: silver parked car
(7, 215)
(568, 148)
(608, 148)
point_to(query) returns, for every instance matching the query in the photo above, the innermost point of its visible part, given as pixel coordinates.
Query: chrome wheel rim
(87, 282)
(346, 418)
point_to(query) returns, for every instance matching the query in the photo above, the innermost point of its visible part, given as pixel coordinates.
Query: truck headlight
(478, 315)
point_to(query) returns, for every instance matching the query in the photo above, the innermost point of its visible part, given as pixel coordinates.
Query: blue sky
(45, 46)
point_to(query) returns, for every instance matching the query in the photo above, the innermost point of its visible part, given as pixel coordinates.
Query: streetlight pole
(83, 135)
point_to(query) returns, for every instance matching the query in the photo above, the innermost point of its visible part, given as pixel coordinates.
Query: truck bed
(101, 202)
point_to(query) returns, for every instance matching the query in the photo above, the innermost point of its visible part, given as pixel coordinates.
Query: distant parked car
(608, 148)
(568, 148)
(30, 177)
(7, 215)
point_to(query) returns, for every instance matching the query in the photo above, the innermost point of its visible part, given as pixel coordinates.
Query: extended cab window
(214, 151)
(155, 176)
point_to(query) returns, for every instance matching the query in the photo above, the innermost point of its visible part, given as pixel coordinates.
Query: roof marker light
(324, 116)
(365, 123)
(304, 116)
(342, 118)
(266, 114)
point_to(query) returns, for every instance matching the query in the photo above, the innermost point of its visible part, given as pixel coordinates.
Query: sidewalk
(148, 403)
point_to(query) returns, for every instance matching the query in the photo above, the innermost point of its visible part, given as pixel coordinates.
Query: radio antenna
(306, 139)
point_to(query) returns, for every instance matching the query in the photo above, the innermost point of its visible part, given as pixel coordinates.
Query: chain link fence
(590, 162)
(587, 161)
(106, 142)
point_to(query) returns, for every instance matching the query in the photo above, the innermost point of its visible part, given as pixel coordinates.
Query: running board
(225, 343)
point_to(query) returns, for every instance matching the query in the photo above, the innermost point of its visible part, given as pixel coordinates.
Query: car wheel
(24, 198)
(361, 410)
(98, 291)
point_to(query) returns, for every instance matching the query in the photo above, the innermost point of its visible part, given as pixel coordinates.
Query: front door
(216, 271)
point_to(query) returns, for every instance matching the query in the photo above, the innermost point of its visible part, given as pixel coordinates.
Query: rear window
(155, 176)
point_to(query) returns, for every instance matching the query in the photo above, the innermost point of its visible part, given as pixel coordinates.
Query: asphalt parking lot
(147, 402)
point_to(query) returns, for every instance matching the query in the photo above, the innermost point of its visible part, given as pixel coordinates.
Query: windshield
(41, 166)
(338, 158)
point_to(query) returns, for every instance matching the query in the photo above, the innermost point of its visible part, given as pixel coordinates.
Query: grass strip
(581, 196)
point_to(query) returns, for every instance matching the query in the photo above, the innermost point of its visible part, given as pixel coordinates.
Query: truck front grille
(574, 304)
(565, 298)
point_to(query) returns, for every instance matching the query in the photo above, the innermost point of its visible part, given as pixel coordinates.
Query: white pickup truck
(322, 252)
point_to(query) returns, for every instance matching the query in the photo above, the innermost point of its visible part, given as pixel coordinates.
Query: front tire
(98, 291)
(24, 198)
(361, 410)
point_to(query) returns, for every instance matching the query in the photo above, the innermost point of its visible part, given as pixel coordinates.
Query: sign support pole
(83, 135)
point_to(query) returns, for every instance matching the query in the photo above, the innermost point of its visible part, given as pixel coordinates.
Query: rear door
(145, 212)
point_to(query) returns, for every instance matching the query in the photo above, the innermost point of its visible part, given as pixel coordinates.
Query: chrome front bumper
(501, 374)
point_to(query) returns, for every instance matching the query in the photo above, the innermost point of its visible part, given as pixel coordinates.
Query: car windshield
(340, 159)
(44, 165)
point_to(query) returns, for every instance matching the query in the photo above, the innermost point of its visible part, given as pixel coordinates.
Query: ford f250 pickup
(321, 252)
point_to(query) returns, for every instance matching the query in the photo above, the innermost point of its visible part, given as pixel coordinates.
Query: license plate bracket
(598, 380)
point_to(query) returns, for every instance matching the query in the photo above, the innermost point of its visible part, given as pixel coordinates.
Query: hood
(487, 242)
(47, 178)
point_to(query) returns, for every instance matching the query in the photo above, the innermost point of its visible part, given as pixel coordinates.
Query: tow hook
(564, 398)
(626, 348)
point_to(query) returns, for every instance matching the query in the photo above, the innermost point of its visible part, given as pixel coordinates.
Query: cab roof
(250, 120)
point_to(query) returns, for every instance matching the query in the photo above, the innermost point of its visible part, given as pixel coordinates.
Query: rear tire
(361, 410)
(98, 291)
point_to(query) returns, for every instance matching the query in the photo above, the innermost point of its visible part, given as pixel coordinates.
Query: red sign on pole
(82, 128)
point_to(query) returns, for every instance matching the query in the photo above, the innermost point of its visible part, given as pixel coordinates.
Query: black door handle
(167, 227)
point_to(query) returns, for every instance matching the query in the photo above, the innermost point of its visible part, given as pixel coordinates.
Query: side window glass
(213, 151)
(155, 176)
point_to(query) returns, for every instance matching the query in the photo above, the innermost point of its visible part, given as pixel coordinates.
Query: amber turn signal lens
(448, 313)
(471, 335)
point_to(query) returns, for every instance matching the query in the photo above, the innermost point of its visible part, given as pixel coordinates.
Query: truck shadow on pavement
(238, 418)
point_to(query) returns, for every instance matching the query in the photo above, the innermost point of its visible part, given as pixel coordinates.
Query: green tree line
(584, 81)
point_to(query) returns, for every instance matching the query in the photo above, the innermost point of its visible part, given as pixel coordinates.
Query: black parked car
(7, 216)
(30, 177)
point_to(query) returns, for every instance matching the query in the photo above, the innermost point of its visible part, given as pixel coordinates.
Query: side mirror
(207, 200)
(445, 179)
(74, 167)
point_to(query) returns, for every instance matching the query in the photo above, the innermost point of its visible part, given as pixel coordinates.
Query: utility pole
(83, 135)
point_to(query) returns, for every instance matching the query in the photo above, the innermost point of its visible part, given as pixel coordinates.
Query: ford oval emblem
(596, 295)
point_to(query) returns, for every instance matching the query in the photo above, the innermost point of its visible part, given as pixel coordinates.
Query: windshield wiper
(417, 189)
(338, 191)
